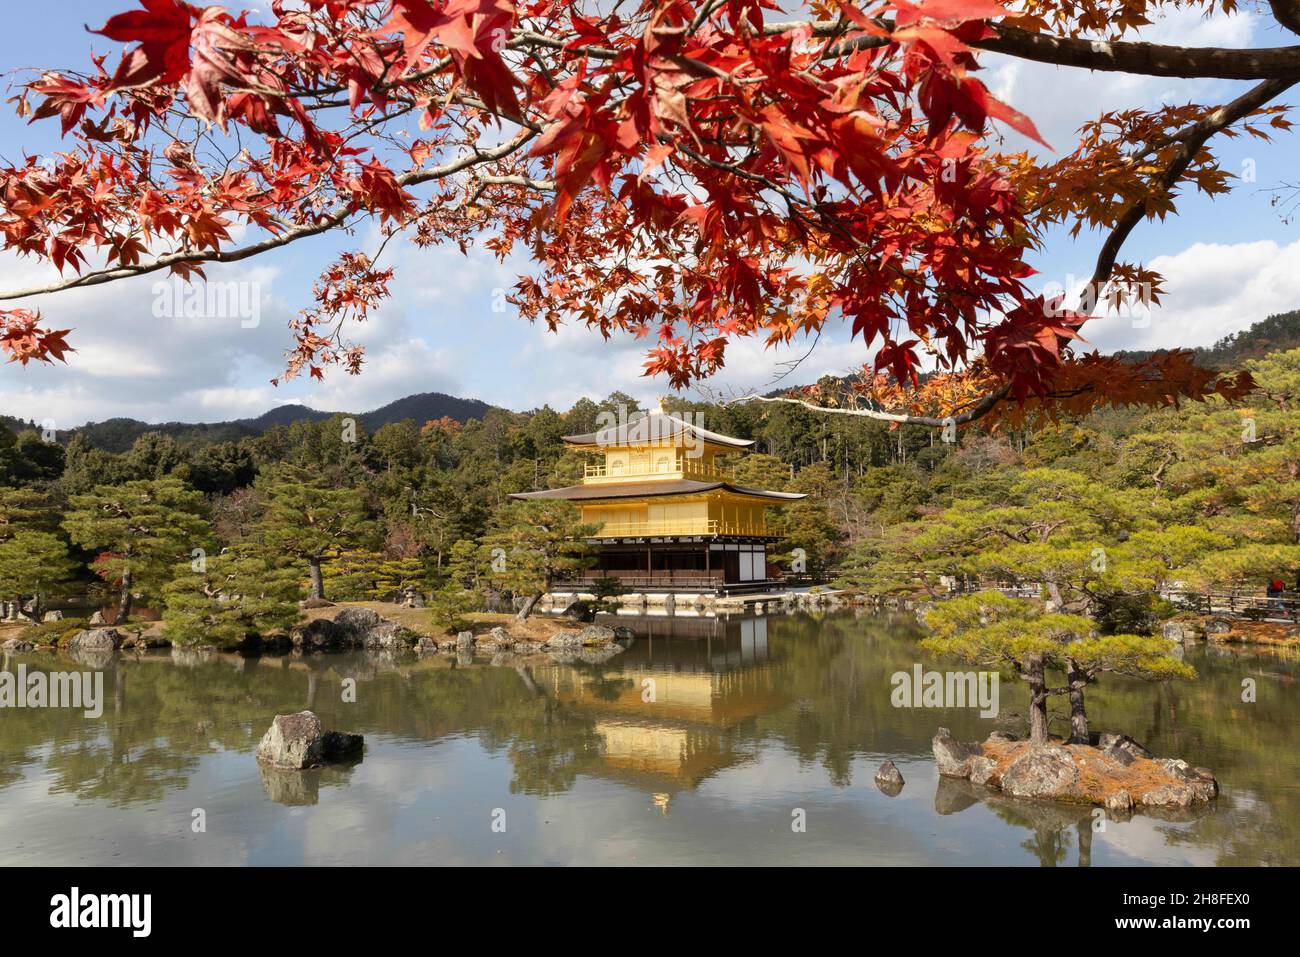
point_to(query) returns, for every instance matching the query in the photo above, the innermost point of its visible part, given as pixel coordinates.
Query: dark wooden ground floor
(714, 563)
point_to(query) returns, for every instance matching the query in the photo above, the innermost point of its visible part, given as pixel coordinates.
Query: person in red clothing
(1275, 589)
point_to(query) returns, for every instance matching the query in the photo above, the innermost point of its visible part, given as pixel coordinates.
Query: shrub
(53, 632)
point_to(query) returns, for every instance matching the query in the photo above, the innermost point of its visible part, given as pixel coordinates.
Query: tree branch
(1111, 56)
(1150, 59)
(981, 408)
(331, 220)
(1193, 138)
(1287, 13)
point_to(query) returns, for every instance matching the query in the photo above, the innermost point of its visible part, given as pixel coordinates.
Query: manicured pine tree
(1234, 469)
(34, 566)
(363, 574)
(460, 593)
(604, 591)
(309, 521)
(991, 629)
(24, 509)
(899, 557)
(239, 594)
(146, 531)
(532, 544)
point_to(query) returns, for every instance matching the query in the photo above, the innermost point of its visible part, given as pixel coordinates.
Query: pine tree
(147, 532)
(34, 566)
(238, 594)
(991, 629)
(25, 509)
(310, 521)
(34, 561)
(534, 543)
(460, 594)
(360, 575)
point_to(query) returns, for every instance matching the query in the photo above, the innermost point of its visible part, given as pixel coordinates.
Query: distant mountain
(423, 407)
(283, 415)
(118, 435)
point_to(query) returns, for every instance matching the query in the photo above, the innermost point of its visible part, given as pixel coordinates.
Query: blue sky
(1227, 263)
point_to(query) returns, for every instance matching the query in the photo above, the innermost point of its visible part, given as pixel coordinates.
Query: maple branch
(1287, 13)
(1149, 59)
(329, 221)
(541, 185)
(1112, 56)
(978, 410)
(1192, 139)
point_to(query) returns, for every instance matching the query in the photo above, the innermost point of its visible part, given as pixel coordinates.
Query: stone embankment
(364, 628)
(593, 644)
(1230, 631)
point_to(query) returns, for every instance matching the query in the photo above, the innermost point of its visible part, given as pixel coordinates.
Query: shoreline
(1213, 630)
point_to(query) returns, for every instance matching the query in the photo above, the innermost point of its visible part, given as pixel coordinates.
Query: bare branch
(1287, 13)
(978, 410)
(1111, 56)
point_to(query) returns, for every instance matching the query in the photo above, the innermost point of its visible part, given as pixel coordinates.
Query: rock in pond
(1121, 802)
(889, 779)
(342, 745)
(1124, 744)
(356, 624)
(951, 756)
(297, 741)
(1041, 772)
(1118, 773)
(1179, 631)
(597, 635)
(144, 640)
(591, 636)
(983, 770)
(16, 646)
(352, 628)
(563, 641)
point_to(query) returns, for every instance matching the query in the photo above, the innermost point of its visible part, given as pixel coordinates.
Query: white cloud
(131, 362)
(1211, 290)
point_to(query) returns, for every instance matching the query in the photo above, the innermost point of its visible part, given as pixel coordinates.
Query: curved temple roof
(657, 428)
(589, 493)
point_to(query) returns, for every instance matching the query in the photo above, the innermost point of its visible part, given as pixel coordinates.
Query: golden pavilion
(671, 519)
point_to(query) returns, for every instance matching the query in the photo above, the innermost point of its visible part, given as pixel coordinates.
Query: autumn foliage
(687, 172)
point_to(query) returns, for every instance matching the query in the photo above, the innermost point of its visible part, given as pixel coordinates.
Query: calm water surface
(753, 718)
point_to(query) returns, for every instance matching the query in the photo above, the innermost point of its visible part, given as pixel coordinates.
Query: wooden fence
(1229, 604)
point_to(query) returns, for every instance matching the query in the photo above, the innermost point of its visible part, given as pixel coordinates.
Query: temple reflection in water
(675, 712)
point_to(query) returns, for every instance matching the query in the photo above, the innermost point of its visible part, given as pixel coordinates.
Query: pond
(743, 740)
